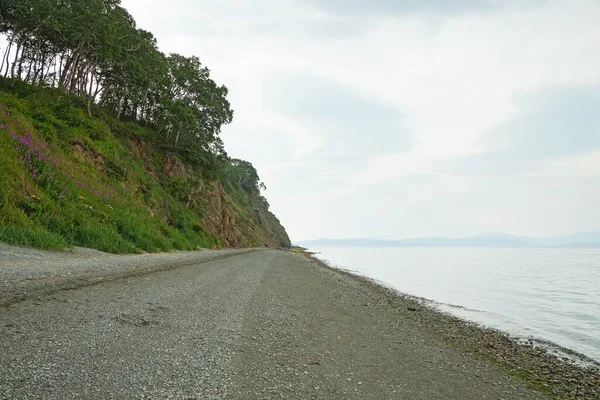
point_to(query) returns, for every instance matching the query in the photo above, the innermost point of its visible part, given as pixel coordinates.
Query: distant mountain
(583, 239)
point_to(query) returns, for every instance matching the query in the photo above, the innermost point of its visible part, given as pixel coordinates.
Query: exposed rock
(219, 218)
(257, 228)
(236, 224)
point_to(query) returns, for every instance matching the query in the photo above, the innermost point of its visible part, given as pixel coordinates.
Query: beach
(252, 325)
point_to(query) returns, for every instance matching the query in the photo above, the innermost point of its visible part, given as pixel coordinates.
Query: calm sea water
(549, 294)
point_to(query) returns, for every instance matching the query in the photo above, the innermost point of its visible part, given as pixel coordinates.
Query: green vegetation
(32, 236)
(68, 178)
(106, 142)
(93, 49)
(243, 187)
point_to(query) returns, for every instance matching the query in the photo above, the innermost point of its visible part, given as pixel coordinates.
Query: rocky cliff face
(236, 226)
(237, 219)
(219, 217)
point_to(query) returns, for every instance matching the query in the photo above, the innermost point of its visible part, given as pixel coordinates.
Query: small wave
(459, 307)
(562, 352)
(468, 309)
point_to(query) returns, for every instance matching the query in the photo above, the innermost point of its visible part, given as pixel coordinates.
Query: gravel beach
(241, 324)
(26, 272)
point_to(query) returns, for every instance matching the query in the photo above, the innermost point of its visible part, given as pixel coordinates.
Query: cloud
(552, 122)
(248, 21)
(390, 7)
(352, 126)
(402, 118)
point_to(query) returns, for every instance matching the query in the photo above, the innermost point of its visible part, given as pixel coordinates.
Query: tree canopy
(93, 49)
(242, 174)
(239, 176)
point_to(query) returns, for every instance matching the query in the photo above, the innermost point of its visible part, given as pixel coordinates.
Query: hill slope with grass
(71, 175)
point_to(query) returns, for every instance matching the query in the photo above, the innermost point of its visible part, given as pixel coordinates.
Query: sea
(551, 295)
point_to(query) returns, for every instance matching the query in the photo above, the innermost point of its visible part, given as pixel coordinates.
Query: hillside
(73, 174)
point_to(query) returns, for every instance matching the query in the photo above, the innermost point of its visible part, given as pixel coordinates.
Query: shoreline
(523, 358)
(551, 347)
(319, 319)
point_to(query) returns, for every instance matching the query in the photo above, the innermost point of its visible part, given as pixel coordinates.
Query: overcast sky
(394, 119)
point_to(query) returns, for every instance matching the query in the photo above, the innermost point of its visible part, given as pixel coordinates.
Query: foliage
(240, 174)
(244, 187)
(66, 186)
(90, 114)
(94, 49)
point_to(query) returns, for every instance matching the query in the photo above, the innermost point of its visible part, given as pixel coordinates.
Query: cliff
(73, 179)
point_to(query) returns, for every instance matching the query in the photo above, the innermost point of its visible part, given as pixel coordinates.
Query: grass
(104, 238)
(68, 179)
(32, 236)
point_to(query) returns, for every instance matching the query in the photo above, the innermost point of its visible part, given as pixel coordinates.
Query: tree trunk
(73, 75)
(89, 94)
(12, 68)
(27, 77)
(65, 69)
(37, 68)
(5, 58)
(119, 109)
(60, 69)
(21, 59)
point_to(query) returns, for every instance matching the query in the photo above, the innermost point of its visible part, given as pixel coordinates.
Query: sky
(393, 119)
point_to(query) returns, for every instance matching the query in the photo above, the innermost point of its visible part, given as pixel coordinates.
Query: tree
(94, 49)
(242, 174)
